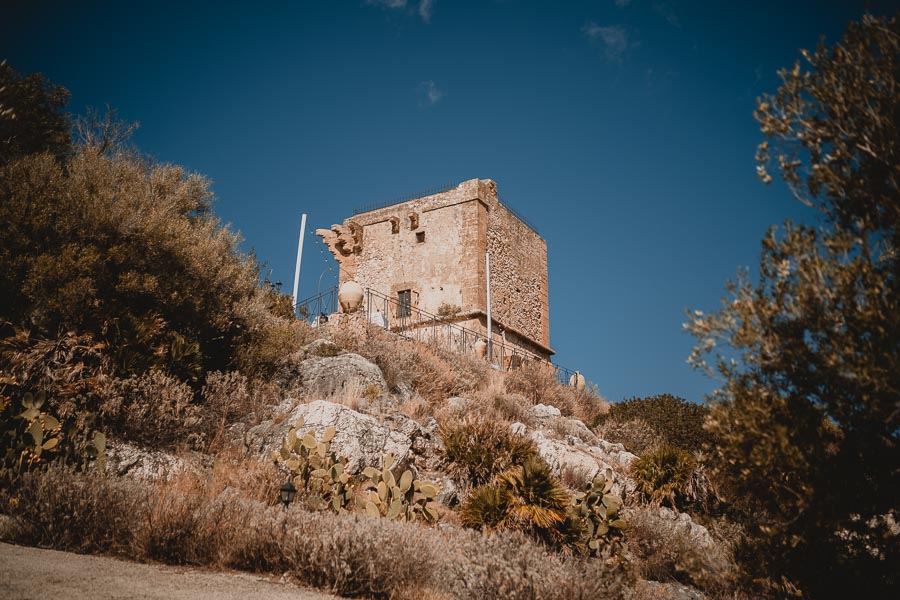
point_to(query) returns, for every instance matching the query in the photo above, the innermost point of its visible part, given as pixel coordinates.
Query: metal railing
(516, 214)
(412, 323)
(401, 199)
(316, 309)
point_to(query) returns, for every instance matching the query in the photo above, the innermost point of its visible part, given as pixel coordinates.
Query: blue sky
(622, 129)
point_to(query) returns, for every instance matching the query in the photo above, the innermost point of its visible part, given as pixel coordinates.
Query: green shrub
(128, 252)
(477, 450)
(637, 435)
(663, 474)
(155, 410)
(678, 422)
(525, 498)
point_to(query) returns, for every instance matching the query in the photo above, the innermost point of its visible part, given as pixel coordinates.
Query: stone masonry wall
(380, 250)
(519, 292)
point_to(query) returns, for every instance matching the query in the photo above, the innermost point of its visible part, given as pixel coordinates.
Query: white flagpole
(299, 257)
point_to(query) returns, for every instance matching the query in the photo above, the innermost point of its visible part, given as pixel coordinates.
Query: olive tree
(808, 416)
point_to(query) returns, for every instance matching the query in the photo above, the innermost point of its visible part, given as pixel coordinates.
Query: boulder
(326, 376)
(323, 348)
(679, 524)
(458, 404)
(543, 411)
(577, 456)
(361, 438)
(127, 460)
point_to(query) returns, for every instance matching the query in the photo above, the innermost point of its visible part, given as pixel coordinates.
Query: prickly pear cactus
(407, 499)
(31, 435)
(315, 469)
(598, 510)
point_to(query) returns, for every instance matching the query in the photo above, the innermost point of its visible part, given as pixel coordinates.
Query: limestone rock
(322, 347)
(127, 460)
(543, 411)
(361, 438)
(678, 523)
(325, 376)
(458, 404)
(518, 428)
(668, 591)
(579, 457)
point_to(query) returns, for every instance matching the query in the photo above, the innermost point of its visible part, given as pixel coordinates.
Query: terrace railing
(408, 321)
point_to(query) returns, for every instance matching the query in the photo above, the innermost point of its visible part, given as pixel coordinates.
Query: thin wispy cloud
(622, 3)
(667, 13)
(614, 39)
(429, 93)
(424, 8)
(391, 4)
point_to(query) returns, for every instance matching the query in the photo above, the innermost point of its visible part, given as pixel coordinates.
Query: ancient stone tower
(428, 253)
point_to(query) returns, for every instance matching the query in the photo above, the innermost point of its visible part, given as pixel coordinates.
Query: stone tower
(429, 253)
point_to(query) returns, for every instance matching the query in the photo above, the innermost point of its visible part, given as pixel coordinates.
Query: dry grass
(539, 385)
(432, 372)
(192, 520)
(664, 552)
(231, 396)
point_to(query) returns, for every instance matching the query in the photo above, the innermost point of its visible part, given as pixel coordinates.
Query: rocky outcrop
(578, 457)
(322, 376)
(363, 439)
(668, 591)
(127, 460)
(544, 412)
(676, 525)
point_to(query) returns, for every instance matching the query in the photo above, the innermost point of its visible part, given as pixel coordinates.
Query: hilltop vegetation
(132, 325)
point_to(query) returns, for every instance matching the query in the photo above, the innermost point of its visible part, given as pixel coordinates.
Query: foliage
(317, 473)
(342, 553)
(31, 120)
(28, 437)
(406, 499)
(34, 433)
(676, 421)
(525, 498)
(636, 435)
(128, 252)
(807, 422)
(153, 409)
(662, 549)
(663, 474)
(538, 383)
(477, 449)
(598, 513)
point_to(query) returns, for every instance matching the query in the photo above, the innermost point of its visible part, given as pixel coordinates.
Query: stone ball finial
(350, 296)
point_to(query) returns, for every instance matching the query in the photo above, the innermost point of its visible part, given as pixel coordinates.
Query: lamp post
(287, 493)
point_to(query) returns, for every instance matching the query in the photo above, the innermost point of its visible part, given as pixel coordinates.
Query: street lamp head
(287, 493)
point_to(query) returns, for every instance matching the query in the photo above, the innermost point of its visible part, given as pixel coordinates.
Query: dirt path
(32, 573)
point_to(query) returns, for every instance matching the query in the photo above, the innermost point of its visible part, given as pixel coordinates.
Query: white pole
(299, 257)
(487, 261)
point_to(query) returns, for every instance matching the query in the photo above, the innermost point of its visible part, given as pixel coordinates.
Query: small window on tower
(420, 237)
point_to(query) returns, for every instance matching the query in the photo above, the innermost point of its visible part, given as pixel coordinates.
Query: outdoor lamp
(287, 493)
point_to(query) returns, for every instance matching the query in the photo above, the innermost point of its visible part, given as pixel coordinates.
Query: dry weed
(192, 520)
(664, 551)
